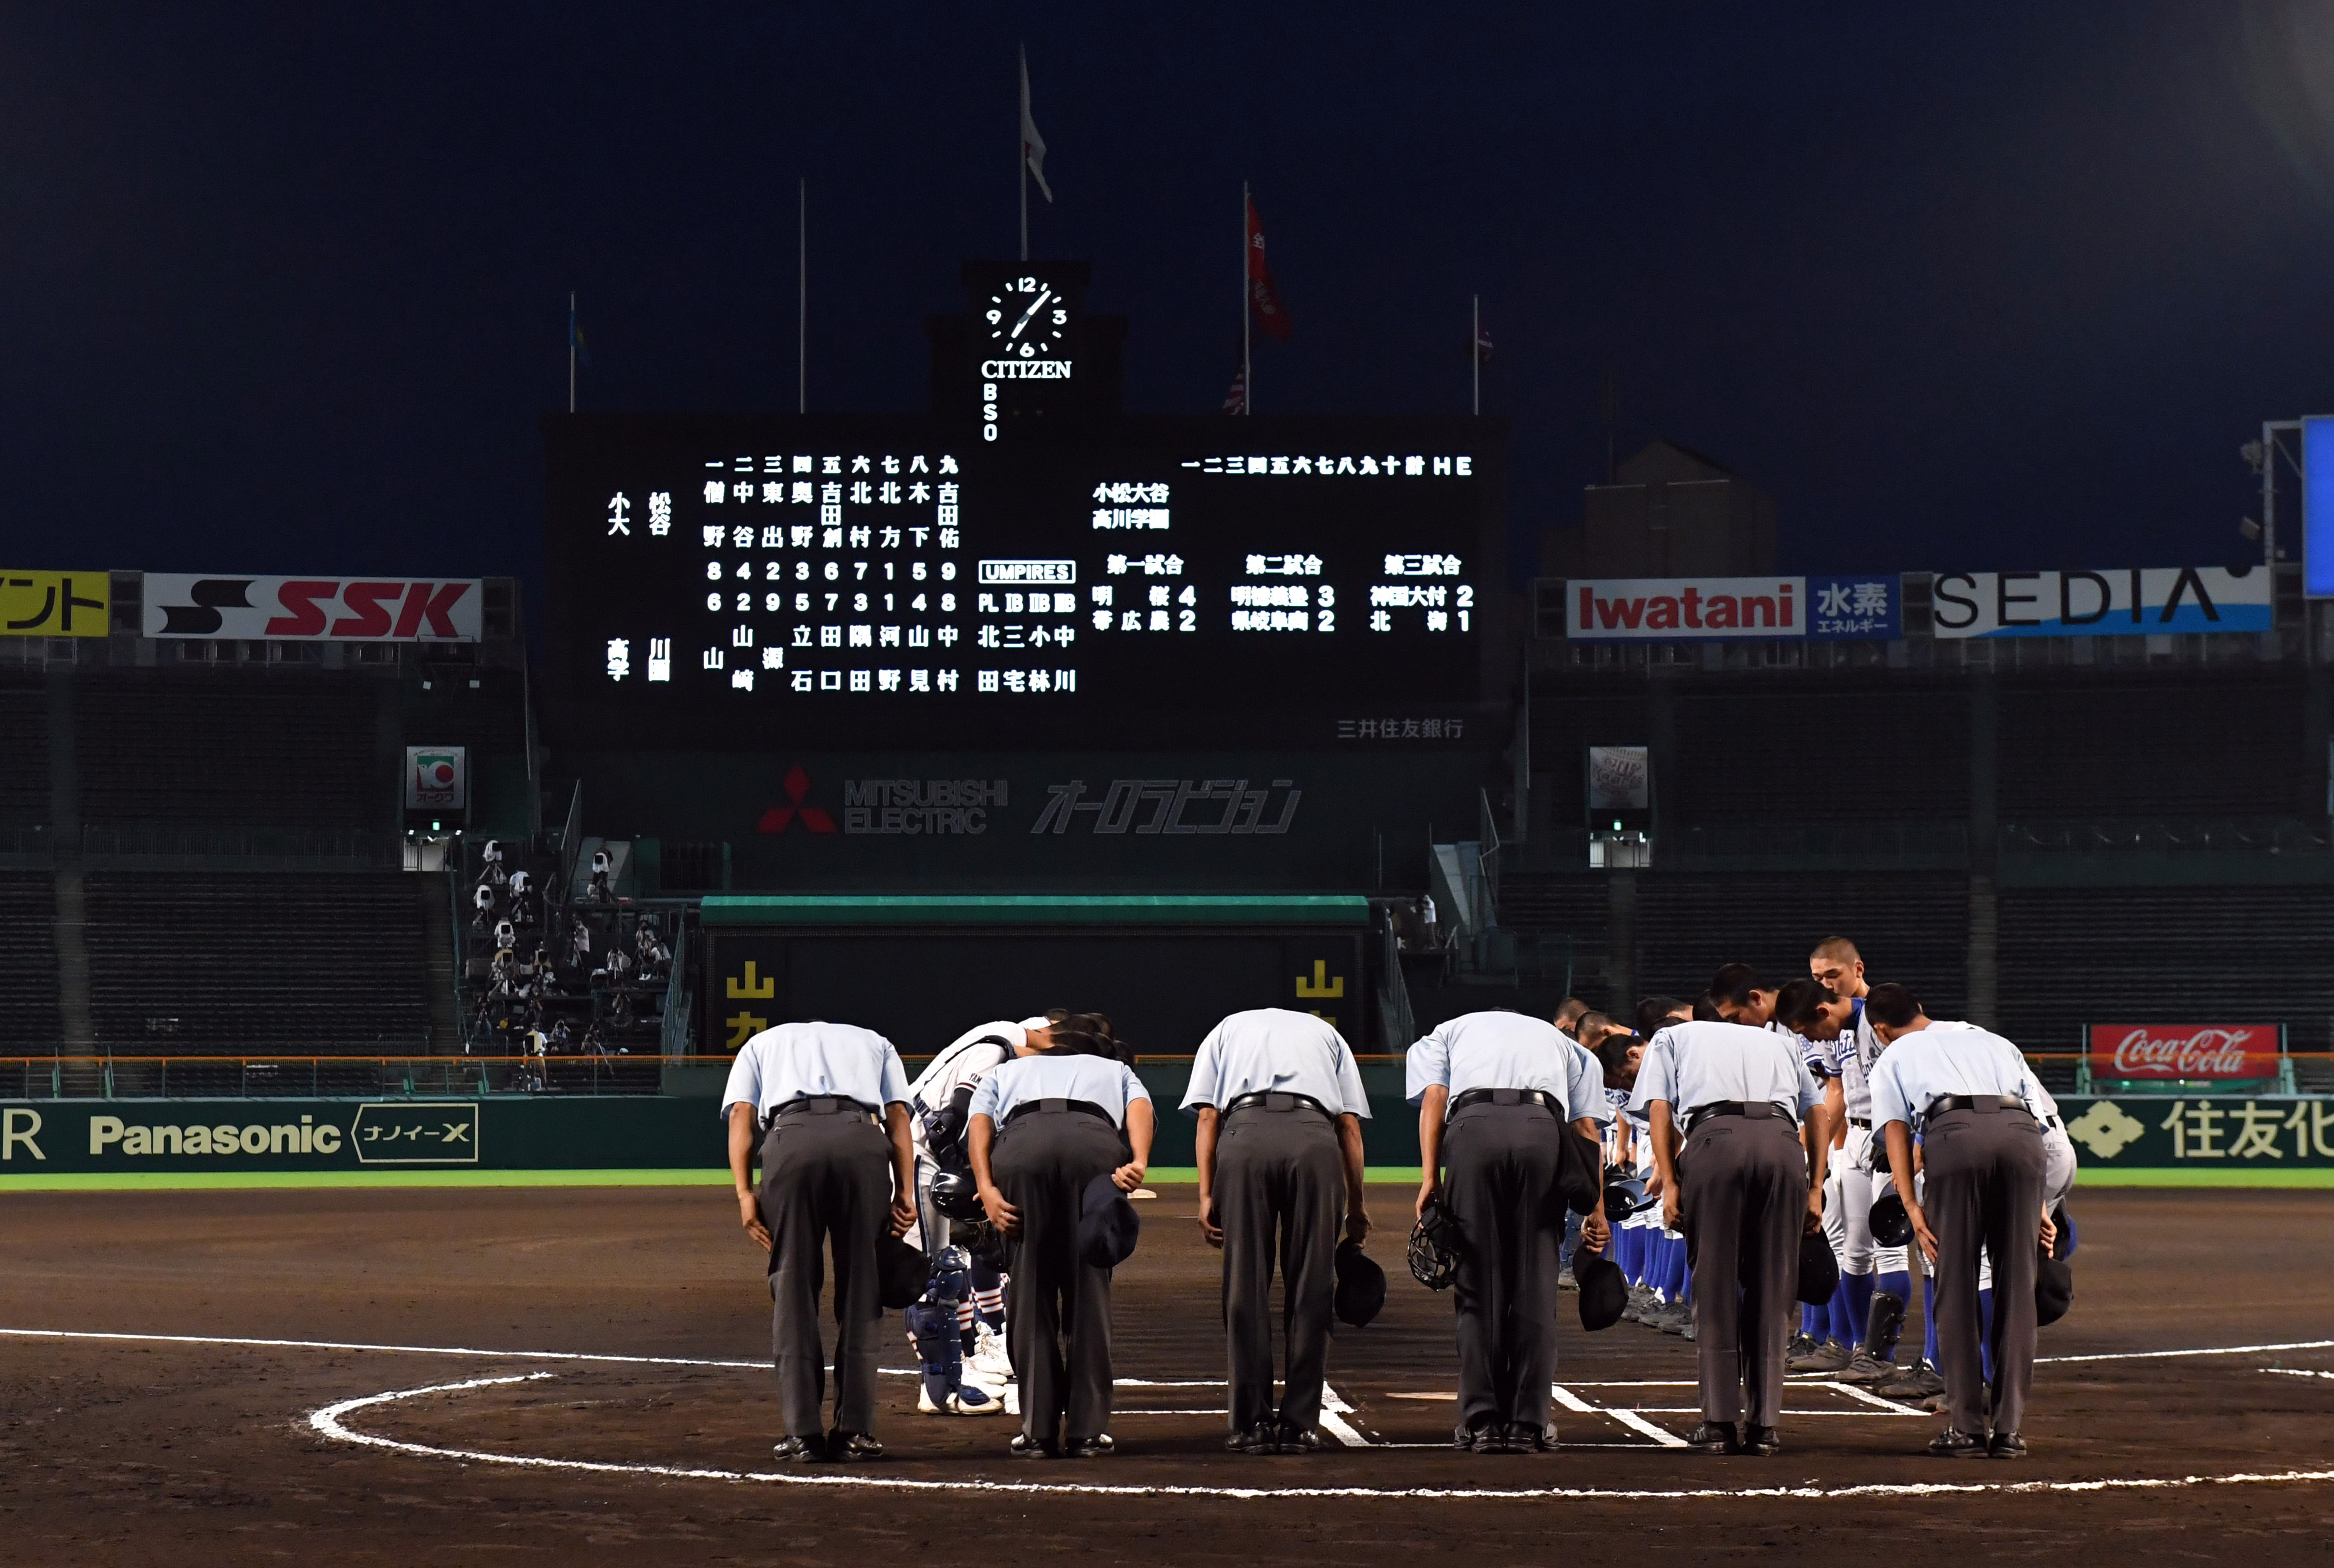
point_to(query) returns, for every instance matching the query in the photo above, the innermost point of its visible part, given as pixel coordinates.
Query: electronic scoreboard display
(742, 581)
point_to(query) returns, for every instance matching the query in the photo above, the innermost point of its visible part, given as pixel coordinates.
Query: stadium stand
(24, 754)
(162, 745)
(2226, 955)
(28, 963)
(306, 963)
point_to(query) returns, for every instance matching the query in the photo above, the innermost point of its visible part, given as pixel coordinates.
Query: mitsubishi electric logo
(892, 807)
(813, 819)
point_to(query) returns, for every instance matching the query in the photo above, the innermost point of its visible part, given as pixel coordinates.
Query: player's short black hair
(1735, 982)
(1705, 1011)
(1892, 1004)
(1654, 1012)
(1798, 1001)
(1613, 1055)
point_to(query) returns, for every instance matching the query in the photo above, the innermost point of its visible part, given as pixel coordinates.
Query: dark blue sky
(1964, 286)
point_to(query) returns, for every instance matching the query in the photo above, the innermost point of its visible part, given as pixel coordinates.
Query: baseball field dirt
(580, 1376)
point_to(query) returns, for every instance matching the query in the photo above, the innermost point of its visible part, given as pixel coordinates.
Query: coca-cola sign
(2184, 1050)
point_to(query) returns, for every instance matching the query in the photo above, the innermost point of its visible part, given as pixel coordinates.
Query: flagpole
(802, 296)
(571, 351)
(1475, 349)
(1248, 373)
(1021, 161)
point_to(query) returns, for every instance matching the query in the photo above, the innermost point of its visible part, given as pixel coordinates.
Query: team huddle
(1711, 1170)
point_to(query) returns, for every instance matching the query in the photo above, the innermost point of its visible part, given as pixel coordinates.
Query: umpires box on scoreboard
(921, 970)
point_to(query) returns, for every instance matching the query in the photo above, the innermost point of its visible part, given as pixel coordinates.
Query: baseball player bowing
(939, 1105)
(810, 1095)
(1044, 1129)
(1278, 1099)
(1968, 1096)
(1744, 1184)
(1494, 1092)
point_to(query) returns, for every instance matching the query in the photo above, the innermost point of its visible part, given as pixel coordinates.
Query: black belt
(822, 1105)
(1863, 1121)
(1274, 1100)
(1540, 1097)
(1752, 1108)
(1082, 1107)
(1945, 1103)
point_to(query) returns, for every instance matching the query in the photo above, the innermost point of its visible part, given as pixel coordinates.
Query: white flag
(1033, 146)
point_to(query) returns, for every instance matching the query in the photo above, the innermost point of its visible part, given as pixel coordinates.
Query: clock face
(1028, 319)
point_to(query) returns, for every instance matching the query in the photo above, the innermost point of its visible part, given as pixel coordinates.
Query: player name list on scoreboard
(928, 574)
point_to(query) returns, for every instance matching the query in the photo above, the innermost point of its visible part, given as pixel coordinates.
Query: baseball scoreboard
(739, 580)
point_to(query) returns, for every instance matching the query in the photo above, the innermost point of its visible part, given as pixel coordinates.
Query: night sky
(1963, 286)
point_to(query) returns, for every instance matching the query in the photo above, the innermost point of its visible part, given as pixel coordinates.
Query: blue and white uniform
(937, 1117)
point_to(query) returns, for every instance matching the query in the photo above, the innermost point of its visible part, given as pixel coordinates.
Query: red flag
(1483, 346)
(1235, 400)
(1263, 298)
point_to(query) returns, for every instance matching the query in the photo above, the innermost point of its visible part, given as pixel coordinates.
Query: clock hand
(1043, 295)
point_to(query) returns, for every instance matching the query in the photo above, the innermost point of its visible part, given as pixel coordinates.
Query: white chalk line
(511, 1355)
(2295, 1372)
(2216, 1350)
(906, 1372)
(327, 1422)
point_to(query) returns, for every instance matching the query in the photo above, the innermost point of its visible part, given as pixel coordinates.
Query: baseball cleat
(1831, 1356)
(972, 1399)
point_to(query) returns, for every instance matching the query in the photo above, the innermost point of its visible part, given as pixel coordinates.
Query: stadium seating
(2203, 955)
(306, 963)
(290, 751)
(28, 965)
(24, 754)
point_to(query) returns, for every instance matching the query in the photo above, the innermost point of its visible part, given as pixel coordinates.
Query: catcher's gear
(1436, 1246)
(955, 1196)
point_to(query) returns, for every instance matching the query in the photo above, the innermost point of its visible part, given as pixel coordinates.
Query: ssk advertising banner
(314, 608)
(2127, 602)
(2181, 1051)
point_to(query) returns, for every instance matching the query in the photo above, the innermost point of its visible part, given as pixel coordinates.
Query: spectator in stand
(579, 945)
(505, 937)
(601, 867)
(522, 888)
(653, 954)
(615, 968)
(1426, 919)
(482, 901)
(563, 1038)
(493, 875)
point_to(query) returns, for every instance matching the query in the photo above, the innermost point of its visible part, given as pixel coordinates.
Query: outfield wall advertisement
(2215, 1132)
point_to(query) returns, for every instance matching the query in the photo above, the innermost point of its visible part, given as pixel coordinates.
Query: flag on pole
(1263, 296)
(1235, 400)
(575, 342)
(1033, 146)
(1482, 345)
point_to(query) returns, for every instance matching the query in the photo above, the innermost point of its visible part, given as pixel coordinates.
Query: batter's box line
(329, 1423)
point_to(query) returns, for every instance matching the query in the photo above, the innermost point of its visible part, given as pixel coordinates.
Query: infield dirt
(136, 1451)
